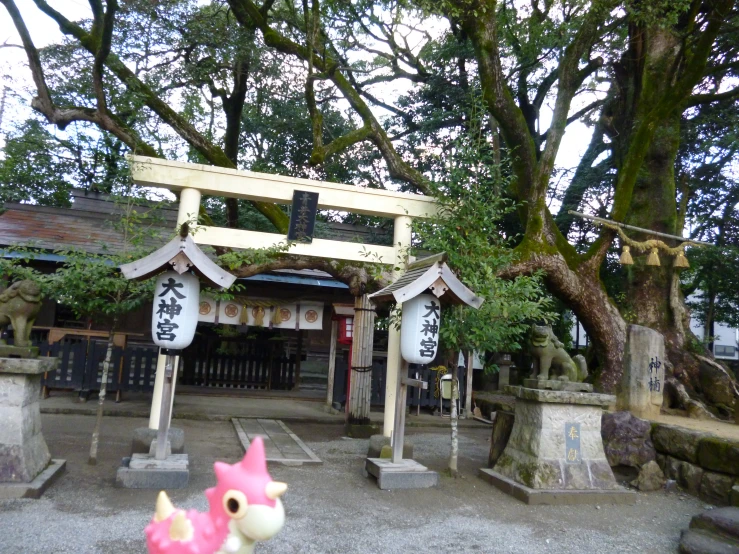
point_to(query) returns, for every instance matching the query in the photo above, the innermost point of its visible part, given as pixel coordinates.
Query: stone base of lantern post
(405, 474)
(144, 471)
(26, 467)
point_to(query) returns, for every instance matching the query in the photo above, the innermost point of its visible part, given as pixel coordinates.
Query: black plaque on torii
(303, 216)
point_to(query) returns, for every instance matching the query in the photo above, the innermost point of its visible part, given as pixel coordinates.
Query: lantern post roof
(430, 274)
(180, 254)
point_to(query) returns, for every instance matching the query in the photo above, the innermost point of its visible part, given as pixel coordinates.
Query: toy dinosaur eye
(235, 504)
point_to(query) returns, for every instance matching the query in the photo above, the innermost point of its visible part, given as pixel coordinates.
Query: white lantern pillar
(402, 244)
(188, 210)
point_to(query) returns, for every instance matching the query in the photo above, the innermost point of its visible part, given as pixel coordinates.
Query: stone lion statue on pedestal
(19, 305)
(549, 351)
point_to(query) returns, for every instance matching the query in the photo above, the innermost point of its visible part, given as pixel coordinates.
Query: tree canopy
(373, 93)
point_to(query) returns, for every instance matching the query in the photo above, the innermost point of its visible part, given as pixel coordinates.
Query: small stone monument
(26, 467)
(555, 452)
(644, 372)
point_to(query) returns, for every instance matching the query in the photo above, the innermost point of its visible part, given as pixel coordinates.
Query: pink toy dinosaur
(244, 508)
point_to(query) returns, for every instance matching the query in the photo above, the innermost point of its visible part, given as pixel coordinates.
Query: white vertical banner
(174, 314)
(419, 329)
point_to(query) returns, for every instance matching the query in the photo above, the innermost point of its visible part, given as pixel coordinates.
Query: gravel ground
(330, 508)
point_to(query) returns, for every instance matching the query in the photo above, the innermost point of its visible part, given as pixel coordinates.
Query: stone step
(721, 521)
(698, 541)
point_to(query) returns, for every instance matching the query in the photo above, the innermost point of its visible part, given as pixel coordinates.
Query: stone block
(536, 455)
(715, 487)
(561, 397)
(19, 423)
(626, 440)
(557, 497)
(689, 477)
(556, 384)
(677, 442)
(377, 442)
(359, 431)
(24, 366)
(407, 474)
(721, 521)
(650, 478)
(719, 455)
(502, 428)
(19, 390)
(37, 486)
(143, 436)
(641, 387)
(151, 478)
(174, 462)
(734, 496)
(21, 463)
(699, 542)
(671, 468)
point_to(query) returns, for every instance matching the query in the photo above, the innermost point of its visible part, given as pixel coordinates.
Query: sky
(15, 76)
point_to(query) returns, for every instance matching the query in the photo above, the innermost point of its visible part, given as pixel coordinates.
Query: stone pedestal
(404, 474)
(644, 372)
(23, 452)
(555, 452)
(144, 471)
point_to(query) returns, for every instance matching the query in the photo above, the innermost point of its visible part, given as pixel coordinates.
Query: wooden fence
(247, 363)
(425, 398)
(81, 366)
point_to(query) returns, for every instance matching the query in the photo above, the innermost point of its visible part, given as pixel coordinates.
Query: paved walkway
(209, 407)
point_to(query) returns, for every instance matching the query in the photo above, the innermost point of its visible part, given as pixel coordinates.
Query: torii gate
(193, 180)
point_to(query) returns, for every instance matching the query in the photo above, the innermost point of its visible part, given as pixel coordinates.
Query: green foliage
(468, 230)
(33, 169)
(659, 13)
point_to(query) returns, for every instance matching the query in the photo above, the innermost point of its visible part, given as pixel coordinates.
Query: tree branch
(179, 124)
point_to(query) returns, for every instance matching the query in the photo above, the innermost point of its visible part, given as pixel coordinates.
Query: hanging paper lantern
(175, 312)
(626, 258)
(419, 329)
(653, 258)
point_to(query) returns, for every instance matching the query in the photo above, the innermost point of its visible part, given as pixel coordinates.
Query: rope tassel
(681, 260)
(653, 258)
(626, 258)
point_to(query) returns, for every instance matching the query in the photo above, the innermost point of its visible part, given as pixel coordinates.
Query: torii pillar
(188, 212)
(402, 245)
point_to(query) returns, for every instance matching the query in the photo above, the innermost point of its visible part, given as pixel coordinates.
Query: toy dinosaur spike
(181, 528)
(164, 507)
(255, 460)
(244, 508)
(275, 489)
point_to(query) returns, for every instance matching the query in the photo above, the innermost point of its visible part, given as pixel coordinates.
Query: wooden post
(298, 356)
(165, 412)
(468, 384)
(332, 363)
(361, 379)
(401, 242)
(399, 417)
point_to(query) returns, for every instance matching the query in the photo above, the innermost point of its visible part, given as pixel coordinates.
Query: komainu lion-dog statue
(19, 305)
(549, 351)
